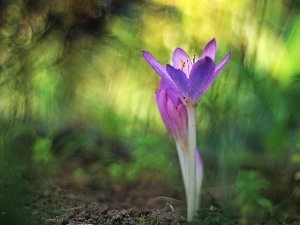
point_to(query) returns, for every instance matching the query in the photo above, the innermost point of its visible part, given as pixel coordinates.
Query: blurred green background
(73, 81)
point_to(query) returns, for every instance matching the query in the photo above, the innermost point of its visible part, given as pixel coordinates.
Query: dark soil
(93, 200)
(60, 206)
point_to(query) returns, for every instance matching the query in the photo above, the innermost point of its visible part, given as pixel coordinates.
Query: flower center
(183, 64)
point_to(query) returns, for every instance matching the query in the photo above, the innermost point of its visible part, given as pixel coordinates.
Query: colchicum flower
(189, 79)
(183, 85)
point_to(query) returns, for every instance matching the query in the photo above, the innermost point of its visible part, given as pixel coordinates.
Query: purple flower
(189, 79)
(173, 113)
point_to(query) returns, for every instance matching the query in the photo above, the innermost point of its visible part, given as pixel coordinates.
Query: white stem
(182, 156)
(192, 193)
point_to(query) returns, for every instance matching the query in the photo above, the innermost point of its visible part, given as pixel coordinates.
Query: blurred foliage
(249, 199)
(73, 85)
(149, 158)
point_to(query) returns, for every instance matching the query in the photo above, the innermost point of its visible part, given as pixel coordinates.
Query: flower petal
(175, 118)
(159, 69)
(210, 50)
(161, 101)
(179, 78)
(221, 64)
(162, 85)
(182, 112)
(201, 78)
(172, 111)
(181, 61)
(171, 94)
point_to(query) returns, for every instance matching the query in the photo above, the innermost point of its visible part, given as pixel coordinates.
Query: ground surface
(133, 206)
(92, 199)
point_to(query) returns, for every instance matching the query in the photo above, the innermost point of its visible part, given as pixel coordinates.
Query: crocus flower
(189, 79)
